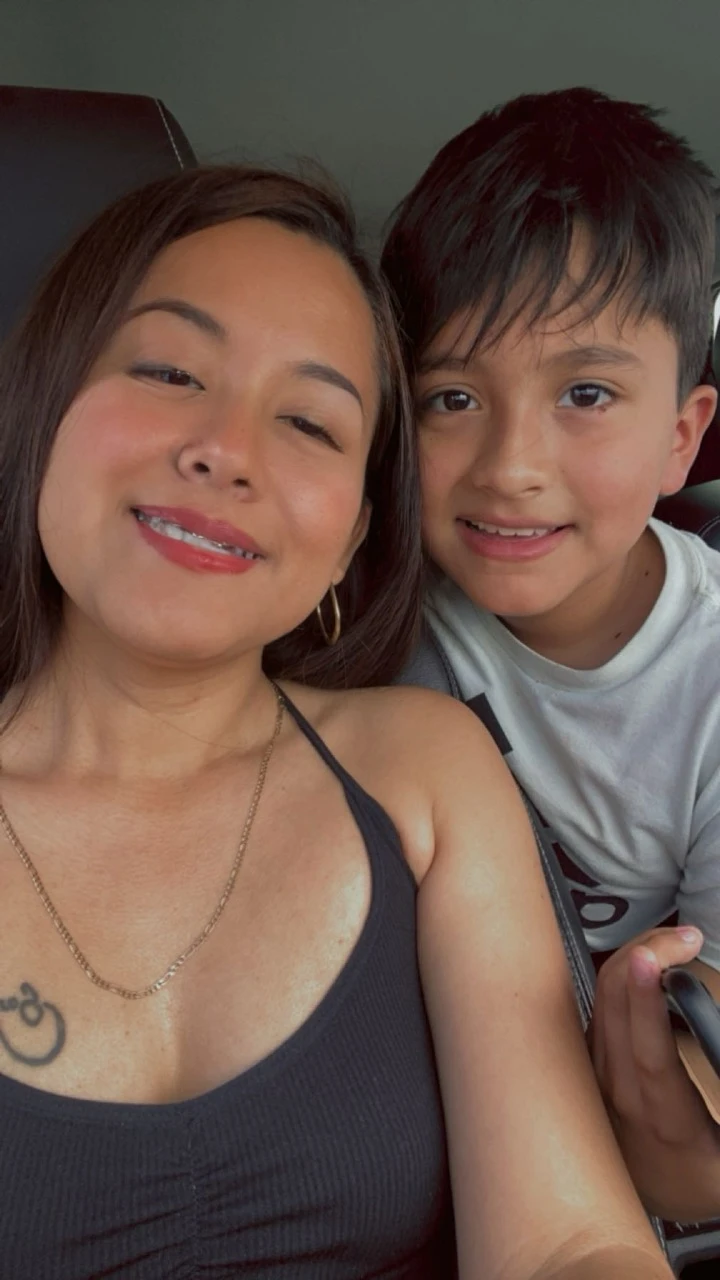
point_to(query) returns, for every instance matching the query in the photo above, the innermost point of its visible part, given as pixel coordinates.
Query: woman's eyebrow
(186, 311)
(328, 374)
(208, 324)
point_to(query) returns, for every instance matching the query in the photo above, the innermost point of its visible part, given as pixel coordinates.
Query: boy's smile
(509, 541)
(543, 456)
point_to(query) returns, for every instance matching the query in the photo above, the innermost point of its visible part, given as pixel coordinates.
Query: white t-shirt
(622, 762)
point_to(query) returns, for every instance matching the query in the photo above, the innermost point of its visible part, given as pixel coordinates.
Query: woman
(220, 1061)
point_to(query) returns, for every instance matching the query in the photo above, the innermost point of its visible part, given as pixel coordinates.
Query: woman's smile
(195, 541)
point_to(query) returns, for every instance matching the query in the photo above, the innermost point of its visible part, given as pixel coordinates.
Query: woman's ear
(694, 419)
(357, 537)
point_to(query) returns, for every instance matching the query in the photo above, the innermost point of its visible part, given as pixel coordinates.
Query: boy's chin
(510, 595)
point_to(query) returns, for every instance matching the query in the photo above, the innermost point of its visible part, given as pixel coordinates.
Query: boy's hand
(668, 1138)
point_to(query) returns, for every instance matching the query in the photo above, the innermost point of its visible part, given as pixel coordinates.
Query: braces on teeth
(176, 531)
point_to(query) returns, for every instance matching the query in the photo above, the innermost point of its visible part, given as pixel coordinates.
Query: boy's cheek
(445, 462)
(437, 480)
(436, 530)
(621, 478)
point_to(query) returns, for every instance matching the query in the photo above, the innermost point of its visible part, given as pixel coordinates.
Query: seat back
(64, 156)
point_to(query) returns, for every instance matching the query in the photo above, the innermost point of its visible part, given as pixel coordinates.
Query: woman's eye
(450, 402)
(313, 429)
(167, 374)
(586, 395)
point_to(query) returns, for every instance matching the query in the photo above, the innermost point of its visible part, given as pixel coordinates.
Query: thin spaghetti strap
(377, 827)
(314, 737)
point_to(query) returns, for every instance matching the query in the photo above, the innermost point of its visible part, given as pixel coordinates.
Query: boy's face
(544, 455)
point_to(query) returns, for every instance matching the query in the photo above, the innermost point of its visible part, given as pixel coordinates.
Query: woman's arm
(614, 1262)
(539, 1186)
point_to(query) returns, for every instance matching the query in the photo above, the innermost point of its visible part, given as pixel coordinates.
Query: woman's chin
(186, 654)
(173, 632)
(160, 639)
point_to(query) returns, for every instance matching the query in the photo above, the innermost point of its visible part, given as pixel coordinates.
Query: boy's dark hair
(74, 315)
(491, 222)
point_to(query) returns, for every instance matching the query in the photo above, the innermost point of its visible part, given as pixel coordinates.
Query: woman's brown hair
(70, 322)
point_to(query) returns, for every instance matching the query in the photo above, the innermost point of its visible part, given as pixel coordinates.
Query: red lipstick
(197, 541)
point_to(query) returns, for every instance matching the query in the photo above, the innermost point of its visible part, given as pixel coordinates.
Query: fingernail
(690, 935)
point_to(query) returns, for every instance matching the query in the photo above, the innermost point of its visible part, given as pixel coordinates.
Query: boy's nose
(514, 457)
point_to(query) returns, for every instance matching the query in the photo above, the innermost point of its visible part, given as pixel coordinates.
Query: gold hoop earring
(333, 636)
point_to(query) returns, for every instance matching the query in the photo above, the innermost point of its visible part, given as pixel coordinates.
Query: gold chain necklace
(126, 992)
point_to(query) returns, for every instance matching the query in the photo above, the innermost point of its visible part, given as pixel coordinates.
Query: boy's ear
(357, 537)
(694, 419)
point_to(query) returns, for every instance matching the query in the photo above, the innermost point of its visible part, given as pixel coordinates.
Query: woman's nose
(222, 457)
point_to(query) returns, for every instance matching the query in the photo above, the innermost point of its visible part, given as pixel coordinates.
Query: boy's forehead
(577, 320)
(572, 334)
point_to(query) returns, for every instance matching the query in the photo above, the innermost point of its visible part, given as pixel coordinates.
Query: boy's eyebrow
(444, 361)
(186, 311)
(596, 354)
(575, 355)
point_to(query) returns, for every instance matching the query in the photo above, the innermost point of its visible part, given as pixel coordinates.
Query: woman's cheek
(325, 514)
(112, 427)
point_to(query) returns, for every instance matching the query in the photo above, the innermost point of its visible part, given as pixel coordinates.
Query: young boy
(553, 272)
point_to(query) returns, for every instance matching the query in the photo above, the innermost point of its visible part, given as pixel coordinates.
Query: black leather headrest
(64, 156)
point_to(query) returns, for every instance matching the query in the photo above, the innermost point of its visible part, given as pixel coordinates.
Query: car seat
(64, 156)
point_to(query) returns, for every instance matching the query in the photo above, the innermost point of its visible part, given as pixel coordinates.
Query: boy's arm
(668, 1138)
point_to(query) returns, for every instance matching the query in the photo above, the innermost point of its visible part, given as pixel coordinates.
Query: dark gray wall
(369, 87)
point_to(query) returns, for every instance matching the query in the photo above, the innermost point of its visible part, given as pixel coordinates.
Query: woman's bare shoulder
(396, 709)
(424, 757)
(401, 734)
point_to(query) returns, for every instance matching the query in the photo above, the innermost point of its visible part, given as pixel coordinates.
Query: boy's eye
(586, 395)
(454, 401)
(167, 374)
(313, 429)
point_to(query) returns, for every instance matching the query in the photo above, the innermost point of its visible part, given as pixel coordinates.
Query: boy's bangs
(492, 226)
(542, 271)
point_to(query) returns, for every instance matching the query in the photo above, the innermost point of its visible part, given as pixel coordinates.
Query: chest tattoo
(27, 1010)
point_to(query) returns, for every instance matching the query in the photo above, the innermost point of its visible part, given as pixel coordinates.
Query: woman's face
(206, 486)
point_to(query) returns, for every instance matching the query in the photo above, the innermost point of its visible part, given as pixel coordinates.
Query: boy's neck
(595, 623)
